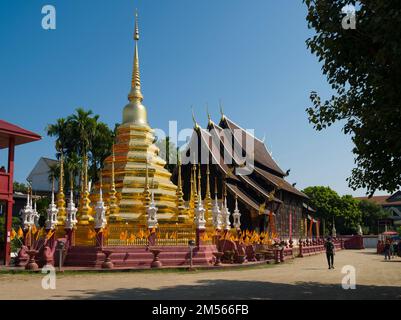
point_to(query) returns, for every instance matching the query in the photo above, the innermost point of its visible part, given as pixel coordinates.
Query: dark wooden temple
(267, 202)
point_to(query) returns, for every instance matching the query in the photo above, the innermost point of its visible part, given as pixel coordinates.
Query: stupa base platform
(126, 257)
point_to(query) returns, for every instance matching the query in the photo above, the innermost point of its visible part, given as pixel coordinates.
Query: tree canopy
(363, 67)
(347, 212)
(82, 134)
(329, 206)
(371, 213)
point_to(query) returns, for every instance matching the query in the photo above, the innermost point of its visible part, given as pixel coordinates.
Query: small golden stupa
(138, 170)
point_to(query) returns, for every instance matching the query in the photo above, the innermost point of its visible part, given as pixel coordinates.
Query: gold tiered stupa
(137, 166)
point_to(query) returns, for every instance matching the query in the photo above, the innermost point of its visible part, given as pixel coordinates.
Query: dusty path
(306, 278)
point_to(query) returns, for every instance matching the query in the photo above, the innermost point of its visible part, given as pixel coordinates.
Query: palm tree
(60, 130)
(82, 134)
(102, 143)
(84, 129)
(54, 172)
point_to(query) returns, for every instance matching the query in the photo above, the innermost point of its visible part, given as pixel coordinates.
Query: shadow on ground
(233, 289)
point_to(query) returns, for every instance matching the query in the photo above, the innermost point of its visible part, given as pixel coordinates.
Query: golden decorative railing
(84, 236)
(137, 235)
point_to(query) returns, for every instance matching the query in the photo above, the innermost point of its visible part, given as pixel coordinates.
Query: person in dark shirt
(2, 169)
(387, 248)
(329, 246)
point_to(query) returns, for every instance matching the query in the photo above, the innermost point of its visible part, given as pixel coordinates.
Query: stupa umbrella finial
(135, 112)
(136, 93)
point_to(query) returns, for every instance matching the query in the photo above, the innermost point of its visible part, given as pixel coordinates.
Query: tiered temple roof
(265, 184)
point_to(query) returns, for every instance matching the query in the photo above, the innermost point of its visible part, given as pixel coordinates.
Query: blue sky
(250, 54)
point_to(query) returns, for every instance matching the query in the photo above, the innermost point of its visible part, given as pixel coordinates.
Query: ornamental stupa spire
(85, 209)
(113, 201)
(182, 210)
(136, 75)
(199, 183)
(135, 111)
(208, 196)
(52, 212)
(100, 217)
(60, 196)
(71, 219)
(146, 192)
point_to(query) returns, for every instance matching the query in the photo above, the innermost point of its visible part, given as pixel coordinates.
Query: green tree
(78, 135)
(329, 206)
(20, 187)
(363, 67)
(325, 201)
(371, 213)
(349, 217)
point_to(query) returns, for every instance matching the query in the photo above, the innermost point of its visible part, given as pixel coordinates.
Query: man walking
(387, 250)
(329, 245)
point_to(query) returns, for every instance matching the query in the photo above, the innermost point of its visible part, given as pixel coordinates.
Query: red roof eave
(21, 135)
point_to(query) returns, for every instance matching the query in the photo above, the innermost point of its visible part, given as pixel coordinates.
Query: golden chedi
(137, 166)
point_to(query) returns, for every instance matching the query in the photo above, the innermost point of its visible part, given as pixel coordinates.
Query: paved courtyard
(306, 278)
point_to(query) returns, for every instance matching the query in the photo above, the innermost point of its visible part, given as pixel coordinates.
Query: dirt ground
(302, 278)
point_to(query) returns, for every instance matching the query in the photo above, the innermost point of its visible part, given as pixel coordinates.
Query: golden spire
(192, 193)
(61, 186)
(113, 201)
(85, 209)
(182, 210)
(208, 197)
(215, 187)
(136, 94)
(101, 185)
(194, 184)
(60, 196)
(146, 192)
(135, 112)
(199, 183)
(180, 200)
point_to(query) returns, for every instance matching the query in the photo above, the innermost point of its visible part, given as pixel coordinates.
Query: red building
(10, 136)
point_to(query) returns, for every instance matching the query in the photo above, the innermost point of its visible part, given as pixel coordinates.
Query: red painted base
(139, 256)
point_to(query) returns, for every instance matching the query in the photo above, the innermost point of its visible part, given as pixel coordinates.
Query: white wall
(370, 241)
(40, 177)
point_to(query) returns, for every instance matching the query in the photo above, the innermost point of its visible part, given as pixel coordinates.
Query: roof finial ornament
(196, 125)
(209, 118)
(221, 110)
